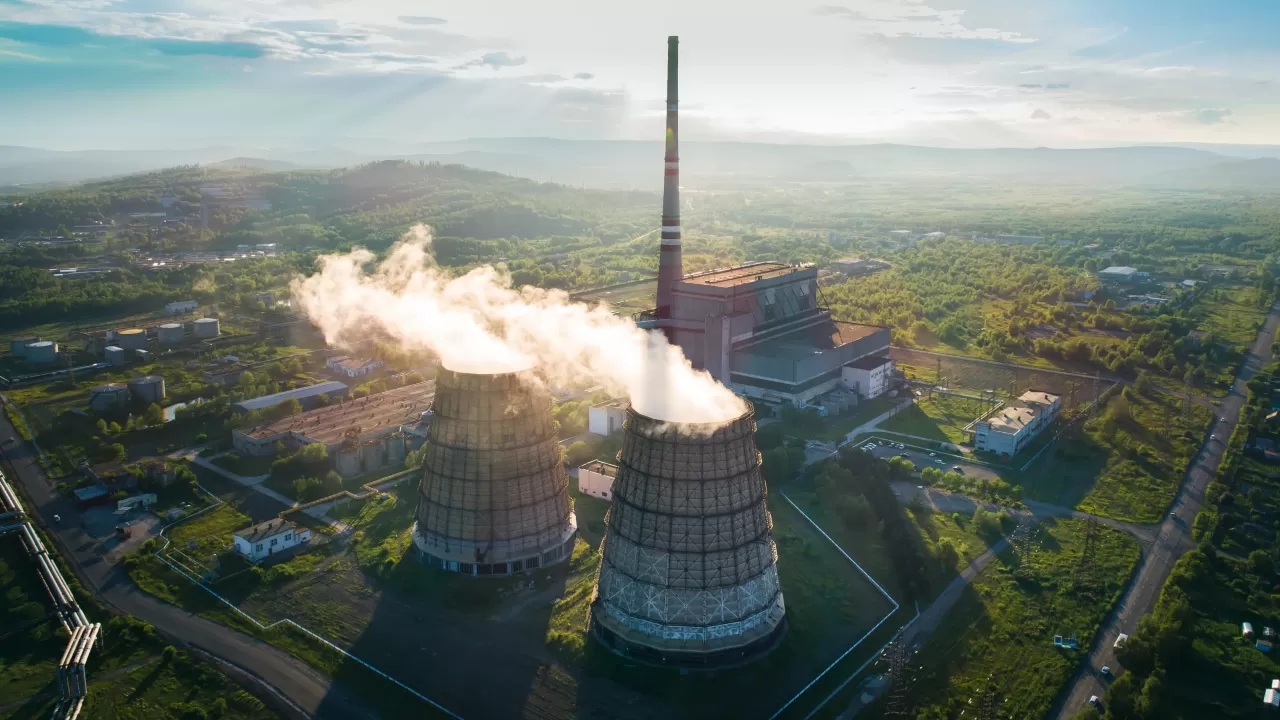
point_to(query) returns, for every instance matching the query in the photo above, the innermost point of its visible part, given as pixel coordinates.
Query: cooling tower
(495, 495)
(688, 573)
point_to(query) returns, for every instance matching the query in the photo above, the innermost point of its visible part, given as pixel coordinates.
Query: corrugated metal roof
(265, 401)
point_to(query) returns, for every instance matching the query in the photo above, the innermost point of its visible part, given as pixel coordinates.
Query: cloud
(1208, 116)
(1041, 114)
(495, 60)
(199, 47)
(583, 76)
(892, 19)
(69, 36)
(421, 20)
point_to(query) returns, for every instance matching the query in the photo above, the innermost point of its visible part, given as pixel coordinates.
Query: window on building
(288, 537)
(258, 547)
(273, 542)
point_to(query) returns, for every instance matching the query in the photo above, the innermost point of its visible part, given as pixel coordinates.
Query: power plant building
(495, 494)
(762, 328)
(688, 573)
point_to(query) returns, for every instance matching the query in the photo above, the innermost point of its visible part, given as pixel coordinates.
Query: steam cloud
(478, 323)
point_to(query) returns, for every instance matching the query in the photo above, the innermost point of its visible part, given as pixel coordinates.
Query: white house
(183, 306)
(1017, 424)
(607, 417)
(266, 539)
(868, 376)
(596, 479)
(353, 367)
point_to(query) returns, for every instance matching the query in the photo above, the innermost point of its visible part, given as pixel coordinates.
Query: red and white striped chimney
(670, 262)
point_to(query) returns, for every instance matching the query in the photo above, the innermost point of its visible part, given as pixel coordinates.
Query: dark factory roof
(741, 275)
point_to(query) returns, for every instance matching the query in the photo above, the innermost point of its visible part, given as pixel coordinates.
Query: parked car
(1106, 670)
(1120, 641)
(957, 468)
(1094, 701)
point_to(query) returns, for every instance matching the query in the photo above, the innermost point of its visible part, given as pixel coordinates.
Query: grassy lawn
(1129, 472)
(837, 427)
(941, 418)
(998, 640)
(244, 465)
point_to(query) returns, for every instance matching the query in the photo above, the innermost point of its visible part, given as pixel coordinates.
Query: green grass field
(941, 418)
(998, 640)
(1131, 473)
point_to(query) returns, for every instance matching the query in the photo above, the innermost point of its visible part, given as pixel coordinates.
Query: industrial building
(180, 307)
(607, 417)
(224, 374)
(352, 367)
(761, 328)
(1120, 274)
(596, 479)
(146, 389)
(858, 266)
(309, 396)
(360, 435)
(1014, 426)
(688, 573)
(263, 540)
(868, 376)
(495, 494)
(115, 356)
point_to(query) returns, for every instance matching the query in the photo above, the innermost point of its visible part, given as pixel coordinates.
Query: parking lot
(922, 458)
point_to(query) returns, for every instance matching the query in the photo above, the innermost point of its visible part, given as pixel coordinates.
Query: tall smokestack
(670, 263)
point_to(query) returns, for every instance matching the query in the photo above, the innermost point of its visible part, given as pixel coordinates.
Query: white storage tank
(170, 333)
(105, 398)
(132, 339)
(147, 389)
(206, 328)
(43, 352)
(114, 355)
(18, 345)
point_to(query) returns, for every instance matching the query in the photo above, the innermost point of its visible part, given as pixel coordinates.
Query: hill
(1259, 173)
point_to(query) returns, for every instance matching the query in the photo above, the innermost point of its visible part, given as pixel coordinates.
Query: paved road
(1173, 538)
(304, 686)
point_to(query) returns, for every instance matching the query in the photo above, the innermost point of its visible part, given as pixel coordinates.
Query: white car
(1093, 700)
(933, 454)
(1120, 641)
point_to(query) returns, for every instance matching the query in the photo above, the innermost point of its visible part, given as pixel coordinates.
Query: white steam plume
(479, 323)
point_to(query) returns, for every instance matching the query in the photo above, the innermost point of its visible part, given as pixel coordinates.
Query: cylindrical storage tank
(348, 464)
(42, 352)
(170, 333)
(688, 571)
(206, 328)
(495, 495)
(114, 355)
(373, 455)
(18, 345)
(147, 389)
(131, 339)
(395, 449)
(107, 398)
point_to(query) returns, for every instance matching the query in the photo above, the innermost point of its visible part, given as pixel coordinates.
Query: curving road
(1173, 537)
(304, 689)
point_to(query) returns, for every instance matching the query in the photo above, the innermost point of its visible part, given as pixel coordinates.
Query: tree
(114, 428)
(947, 553)
(290, 407)
(1260, 562)
(579, 453)
(247, 380)
(153, 416)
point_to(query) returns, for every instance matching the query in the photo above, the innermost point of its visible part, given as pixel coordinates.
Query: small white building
(1271, 697)
(182, 306)
(868, 376)
(353, 367)
(596, 479)
(1014, 426)
(265, 539)
(607, 417)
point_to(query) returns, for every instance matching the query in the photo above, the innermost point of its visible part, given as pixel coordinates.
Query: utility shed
(308, 396)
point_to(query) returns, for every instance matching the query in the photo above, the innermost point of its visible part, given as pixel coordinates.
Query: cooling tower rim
(650, 424)
(513, 370)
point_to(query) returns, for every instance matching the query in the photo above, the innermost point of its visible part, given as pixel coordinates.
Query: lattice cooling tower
(688, 574)
(495, 496)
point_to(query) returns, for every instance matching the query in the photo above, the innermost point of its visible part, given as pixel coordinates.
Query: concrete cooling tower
(495, 495)
(688, 575)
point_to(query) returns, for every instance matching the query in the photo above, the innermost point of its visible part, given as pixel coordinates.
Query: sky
(123, 74)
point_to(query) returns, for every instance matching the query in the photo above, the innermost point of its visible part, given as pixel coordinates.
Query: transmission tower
(901, 676)
(1085, 574)
(990, 700)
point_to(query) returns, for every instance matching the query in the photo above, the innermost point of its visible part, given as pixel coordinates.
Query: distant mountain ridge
(637, 164)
